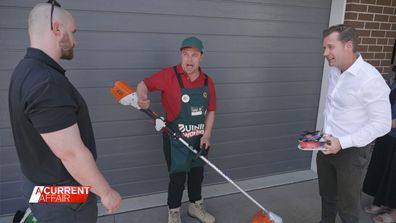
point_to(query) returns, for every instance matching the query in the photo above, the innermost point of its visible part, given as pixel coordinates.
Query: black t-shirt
(42, 100)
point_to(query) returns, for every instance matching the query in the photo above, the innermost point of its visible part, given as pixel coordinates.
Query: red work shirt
(166, 81)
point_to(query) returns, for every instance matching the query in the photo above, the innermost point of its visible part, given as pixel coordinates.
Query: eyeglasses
(53, 4)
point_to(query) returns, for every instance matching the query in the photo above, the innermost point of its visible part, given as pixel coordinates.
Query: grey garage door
(264, 55)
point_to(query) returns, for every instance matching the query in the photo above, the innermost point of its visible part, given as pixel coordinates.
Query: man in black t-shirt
(50, 121)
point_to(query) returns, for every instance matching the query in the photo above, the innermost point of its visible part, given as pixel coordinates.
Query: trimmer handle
(202, 151)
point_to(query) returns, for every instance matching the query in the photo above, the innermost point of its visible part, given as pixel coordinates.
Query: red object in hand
(309, 144)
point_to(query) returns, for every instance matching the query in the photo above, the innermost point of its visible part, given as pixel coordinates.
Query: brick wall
(375, 21)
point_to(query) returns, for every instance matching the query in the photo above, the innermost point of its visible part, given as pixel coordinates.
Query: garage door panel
(109, 21)
(6, 137)
(259, 131)
(10, 173)
(144, 173)
(105, 78)
(141, 187)
(233, 120)
(266, 103)
(8, 155)
(247, 159)
(147, 5)
(11, 205)
(130, 144)
(264, 144)
(151, 60)
(141, 42)
(261, 169)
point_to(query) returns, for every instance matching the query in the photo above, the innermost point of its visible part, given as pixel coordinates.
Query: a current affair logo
(59, 194)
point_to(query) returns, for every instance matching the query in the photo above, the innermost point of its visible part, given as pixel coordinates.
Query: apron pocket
(181, 157)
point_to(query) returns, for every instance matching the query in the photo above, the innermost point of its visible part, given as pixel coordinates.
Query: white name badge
(195, 111)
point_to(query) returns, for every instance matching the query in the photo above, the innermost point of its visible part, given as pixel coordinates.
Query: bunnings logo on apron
(189, 131)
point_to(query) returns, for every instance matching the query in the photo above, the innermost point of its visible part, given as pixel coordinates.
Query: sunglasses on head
(53, 4)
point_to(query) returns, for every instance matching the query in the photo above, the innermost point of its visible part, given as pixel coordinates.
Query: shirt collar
(38, 54)
(181, 72)
(355, 67)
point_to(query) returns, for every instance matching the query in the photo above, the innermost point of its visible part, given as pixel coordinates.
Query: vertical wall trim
(337, 13)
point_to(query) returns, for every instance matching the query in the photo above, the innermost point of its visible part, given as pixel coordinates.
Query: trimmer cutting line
(126, 95)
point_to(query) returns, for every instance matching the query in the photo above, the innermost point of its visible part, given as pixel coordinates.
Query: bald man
(50, 122)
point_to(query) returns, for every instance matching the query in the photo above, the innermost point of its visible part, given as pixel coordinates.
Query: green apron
(190, 125)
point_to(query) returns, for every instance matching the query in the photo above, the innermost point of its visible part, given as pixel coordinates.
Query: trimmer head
(261, 217)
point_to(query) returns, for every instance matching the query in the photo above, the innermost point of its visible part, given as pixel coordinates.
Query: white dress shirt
(357, 107)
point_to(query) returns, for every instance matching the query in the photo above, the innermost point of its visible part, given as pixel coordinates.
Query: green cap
(192, 42)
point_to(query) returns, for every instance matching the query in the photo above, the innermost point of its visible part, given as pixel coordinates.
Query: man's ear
(349, 44)
(56, 28)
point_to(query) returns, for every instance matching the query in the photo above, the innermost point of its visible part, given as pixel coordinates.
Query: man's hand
(142, 92)
(204, 140)
(143, 101)
(111, 201)
(332, 146)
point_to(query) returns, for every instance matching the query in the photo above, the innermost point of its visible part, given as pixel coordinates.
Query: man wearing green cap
(188, 97)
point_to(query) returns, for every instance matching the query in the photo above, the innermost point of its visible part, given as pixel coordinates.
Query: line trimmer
(126, 95)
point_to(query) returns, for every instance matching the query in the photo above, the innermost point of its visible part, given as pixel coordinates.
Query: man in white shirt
(357, 112)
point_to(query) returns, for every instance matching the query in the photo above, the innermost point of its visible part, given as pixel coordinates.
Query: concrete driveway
(295, 203)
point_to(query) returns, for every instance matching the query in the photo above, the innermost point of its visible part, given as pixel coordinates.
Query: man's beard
(67, 52)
